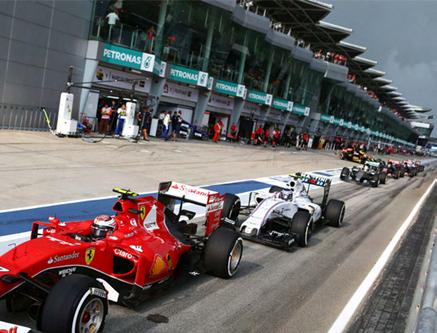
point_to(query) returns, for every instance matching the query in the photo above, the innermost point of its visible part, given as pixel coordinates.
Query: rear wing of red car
(213, 201)
(187, 193)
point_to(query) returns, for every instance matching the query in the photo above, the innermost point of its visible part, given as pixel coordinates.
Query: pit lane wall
(427, 317)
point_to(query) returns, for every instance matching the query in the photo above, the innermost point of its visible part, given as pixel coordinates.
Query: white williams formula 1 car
(287, 215)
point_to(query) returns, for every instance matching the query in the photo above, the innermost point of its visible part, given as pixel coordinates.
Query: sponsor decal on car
(67, 271)
(11, 328)
(137, 248)
(99, 292)
(3, 269)
(64, 257)
(123, 254)
(143, 212)
(133, 222)
(159, 266)
(89, 255)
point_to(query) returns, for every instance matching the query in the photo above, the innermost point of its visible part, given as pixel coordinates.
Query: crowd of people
(111, 117)
(335, 58)
(171, 126)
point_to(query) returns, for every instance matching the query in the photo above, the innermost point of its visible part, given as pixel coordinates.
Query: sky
(401, 35)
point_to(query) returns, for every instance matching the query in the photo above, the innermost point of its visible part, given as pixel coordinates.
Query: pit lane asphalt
(302, 291)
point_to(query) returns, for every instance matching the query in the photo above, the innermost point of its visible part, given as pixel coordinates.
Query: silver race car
(286, 215)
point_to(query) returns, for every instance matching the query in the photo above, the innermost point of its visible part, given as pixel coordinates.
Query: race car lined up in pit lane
(371, 172)
(419, 166)
(395, 169)
(410, 168)
(287, 215)
(66, 273)
(354, 155)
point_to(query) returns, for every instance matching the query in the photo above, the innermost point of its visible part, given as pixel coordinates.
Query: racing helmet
(294, 178)
(102, 225)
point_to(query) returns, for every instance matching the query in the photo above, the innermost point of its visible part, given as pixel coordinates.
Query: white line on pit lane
(352, 305)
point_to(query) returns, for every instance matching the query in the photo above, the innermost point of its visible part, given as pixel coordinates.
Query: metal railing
(27, 118)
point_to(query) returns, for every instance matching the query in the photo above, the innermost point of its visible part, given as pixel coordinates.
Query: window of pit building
(185, 33)
(135, 27)
(305, 84)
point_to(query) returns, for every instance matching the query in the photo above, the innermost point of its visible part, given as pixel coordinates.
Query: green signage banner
(229, 88)
(159, 67)
(122, 56)
(301, 110)
(282, 104)
(259, 97)
(188, 75)
(325, 118)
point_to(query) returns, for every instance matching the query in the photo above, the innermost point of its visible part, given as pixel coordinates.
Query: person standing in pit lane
(146, 122)
(174, 126)
(166, 123)
(104, 119)
(112, 124)
(266, 136)
(217, 131)
(121, 116)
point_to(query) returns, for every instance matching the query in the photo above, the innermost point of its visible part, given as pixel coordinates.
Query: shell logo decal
(159, 266)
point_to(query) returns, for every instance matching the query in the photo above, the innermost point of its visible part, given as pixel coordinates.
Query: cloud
(400, 35)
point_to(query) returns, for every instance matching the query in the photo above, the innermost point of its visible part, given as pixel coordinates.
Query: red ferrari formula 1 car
(66, 273)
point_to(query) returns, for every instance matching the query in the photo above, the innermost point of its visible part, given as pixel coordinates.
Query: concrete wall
(39, 40)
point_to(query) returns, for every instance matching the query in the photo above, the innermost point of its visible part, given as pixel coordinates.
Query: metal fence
(27, 118)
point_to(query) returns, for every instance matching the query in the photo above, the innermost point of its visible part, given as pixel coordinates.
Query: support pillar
(287, 83)
(201, 105)
(160, 28)
(89, 71)
(242, 60)
(236, 112)
(208, 43)
(156, 91)
(269, 69)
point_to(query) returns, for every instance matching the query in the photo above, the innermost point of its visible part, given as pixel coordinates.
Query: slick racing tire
(301, 226)
(275, 189)
(382, 178)
(231, 207)
(344, 175)
(77, 303)
(223, 252)
(334, 212)
(375, 182)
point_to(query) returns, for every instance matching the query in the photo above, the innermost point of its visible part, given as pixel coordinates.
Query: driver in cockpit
(102, 225)
(295, 188)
